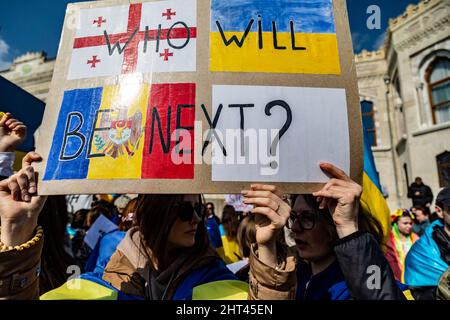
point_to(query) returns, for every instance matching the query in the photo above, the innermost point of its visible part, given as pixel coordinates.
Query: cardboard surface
(151, 74)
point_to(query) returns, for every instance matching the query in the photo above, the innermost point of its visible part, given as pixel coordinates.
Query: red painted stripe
(94, 41)
(157, 164)
(130, 55)
(134, 17)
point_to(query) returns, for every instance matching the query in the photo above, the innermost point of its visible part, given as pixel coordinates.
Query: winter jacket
(425, 197)
(361, 272)
(126, 277)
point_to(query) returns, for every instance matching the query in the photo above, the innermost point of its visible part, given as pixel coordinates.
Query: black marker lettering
(179, 126)
(294, 47)
(212, 130)
(234, 38)
(188, 37)
(155, 117)
(275, 37)
(242, 124)
(117, 44)
(75, 133)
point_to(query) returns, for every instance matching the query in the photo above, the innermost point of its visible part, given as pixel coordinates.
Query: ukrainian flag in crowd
(280, 36)
(372, 199)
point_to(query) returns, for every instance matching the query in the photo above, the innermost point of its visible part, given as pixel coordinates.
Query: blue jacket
(326, 285)
(213, 281)
(103, 251)
(214, 232)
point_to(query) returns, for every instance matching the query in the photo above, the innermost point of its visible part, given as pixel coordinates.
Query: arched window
(368, 117)
(438, 79)
(443, 163)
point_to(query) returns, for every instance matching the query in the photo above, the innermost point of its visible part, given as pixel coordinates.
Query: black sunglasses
(306, 219)
(185, 210)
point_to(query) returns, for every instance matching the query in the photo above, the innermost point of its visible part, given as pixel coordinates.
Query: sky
(35, 25)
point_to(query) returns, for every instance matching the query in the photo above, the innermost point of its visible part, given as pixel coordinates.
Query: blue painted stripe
(309, 16)
(84, 102)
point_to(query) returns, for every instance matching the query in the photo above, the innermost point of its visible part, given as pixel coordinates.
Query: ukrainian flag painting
(281, 36)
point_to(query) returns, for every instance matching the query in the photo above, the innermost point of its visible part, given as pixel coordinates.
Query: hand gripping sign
(192, 96)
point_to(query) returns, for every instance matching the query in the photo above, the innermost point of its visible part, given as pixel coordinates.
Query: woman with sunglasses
(336, 257)
(166, 256)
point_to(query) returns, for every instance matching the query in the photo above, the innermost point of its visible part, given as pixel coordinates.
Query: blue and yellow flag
(372, 199)
(280, 36)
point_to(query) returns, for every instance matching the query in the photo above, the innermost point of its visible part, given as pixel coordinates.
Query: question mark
(283, 129)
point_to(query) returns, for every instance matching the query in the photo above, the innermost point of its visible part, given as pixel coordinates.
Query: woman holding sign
(336, 257)
(167, 256)
(339, 263)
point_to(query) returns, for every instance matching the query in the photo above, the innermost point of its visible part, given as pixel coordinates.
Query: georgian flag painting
(142, 37)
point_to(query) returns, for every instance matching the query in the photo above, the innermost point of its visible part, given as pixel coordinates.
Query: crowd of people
(319, 246)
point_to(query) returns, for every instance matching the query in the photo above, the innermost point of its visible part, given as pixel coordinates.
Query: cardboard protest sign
(191, 96)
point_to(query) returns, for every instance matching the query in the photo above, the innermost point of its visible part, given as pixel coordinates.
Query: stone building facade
(407, 85)
(404, 89)
(32, 72)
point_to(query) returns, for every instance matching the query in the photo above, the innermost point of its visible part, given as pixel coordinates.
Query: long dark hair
(246, 235)
(155, 216)
(230, 221)
(366, 222)
(55, 260)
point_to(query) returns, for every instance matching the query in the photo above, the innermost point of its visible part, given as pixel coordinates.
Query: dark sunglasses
(185, 210)
(306, 219)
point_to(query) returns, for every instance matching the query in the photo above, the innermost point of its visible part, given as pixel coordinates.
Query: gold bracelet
(26, 245)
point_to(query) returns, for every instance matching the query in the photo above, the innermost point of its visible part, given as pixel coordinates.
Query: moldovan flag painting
(282, 36)
(115, 133)
(143, 37)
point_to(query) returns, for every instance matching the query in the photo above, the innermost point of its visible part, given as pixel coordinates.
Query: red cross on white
(129, 20)
(166, 54)
(99, 21)
(94, 61)
(169, 14)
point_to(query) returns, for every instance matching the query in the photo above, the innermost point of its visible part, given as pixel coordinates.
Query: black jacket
(365, 268)
(442, 240)
(425, 197)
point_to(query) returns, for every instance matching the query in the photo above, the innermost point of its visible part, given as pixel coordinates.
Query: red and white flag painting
(144, 37)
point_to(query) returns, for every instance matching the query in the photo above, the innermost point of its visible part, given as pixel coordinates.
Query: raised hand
(12, 133)
(19, 204)
(341, 196)
(271, 215)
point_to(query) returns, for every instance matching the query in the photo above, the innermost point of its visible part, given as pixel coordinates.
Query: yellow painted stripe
(124, 166)
(80, 289)
(221, 290)
(321, 56)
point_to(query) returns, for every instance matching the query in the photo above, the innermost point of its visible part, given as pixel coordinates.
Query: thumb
(31, 157)
(37, 203)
